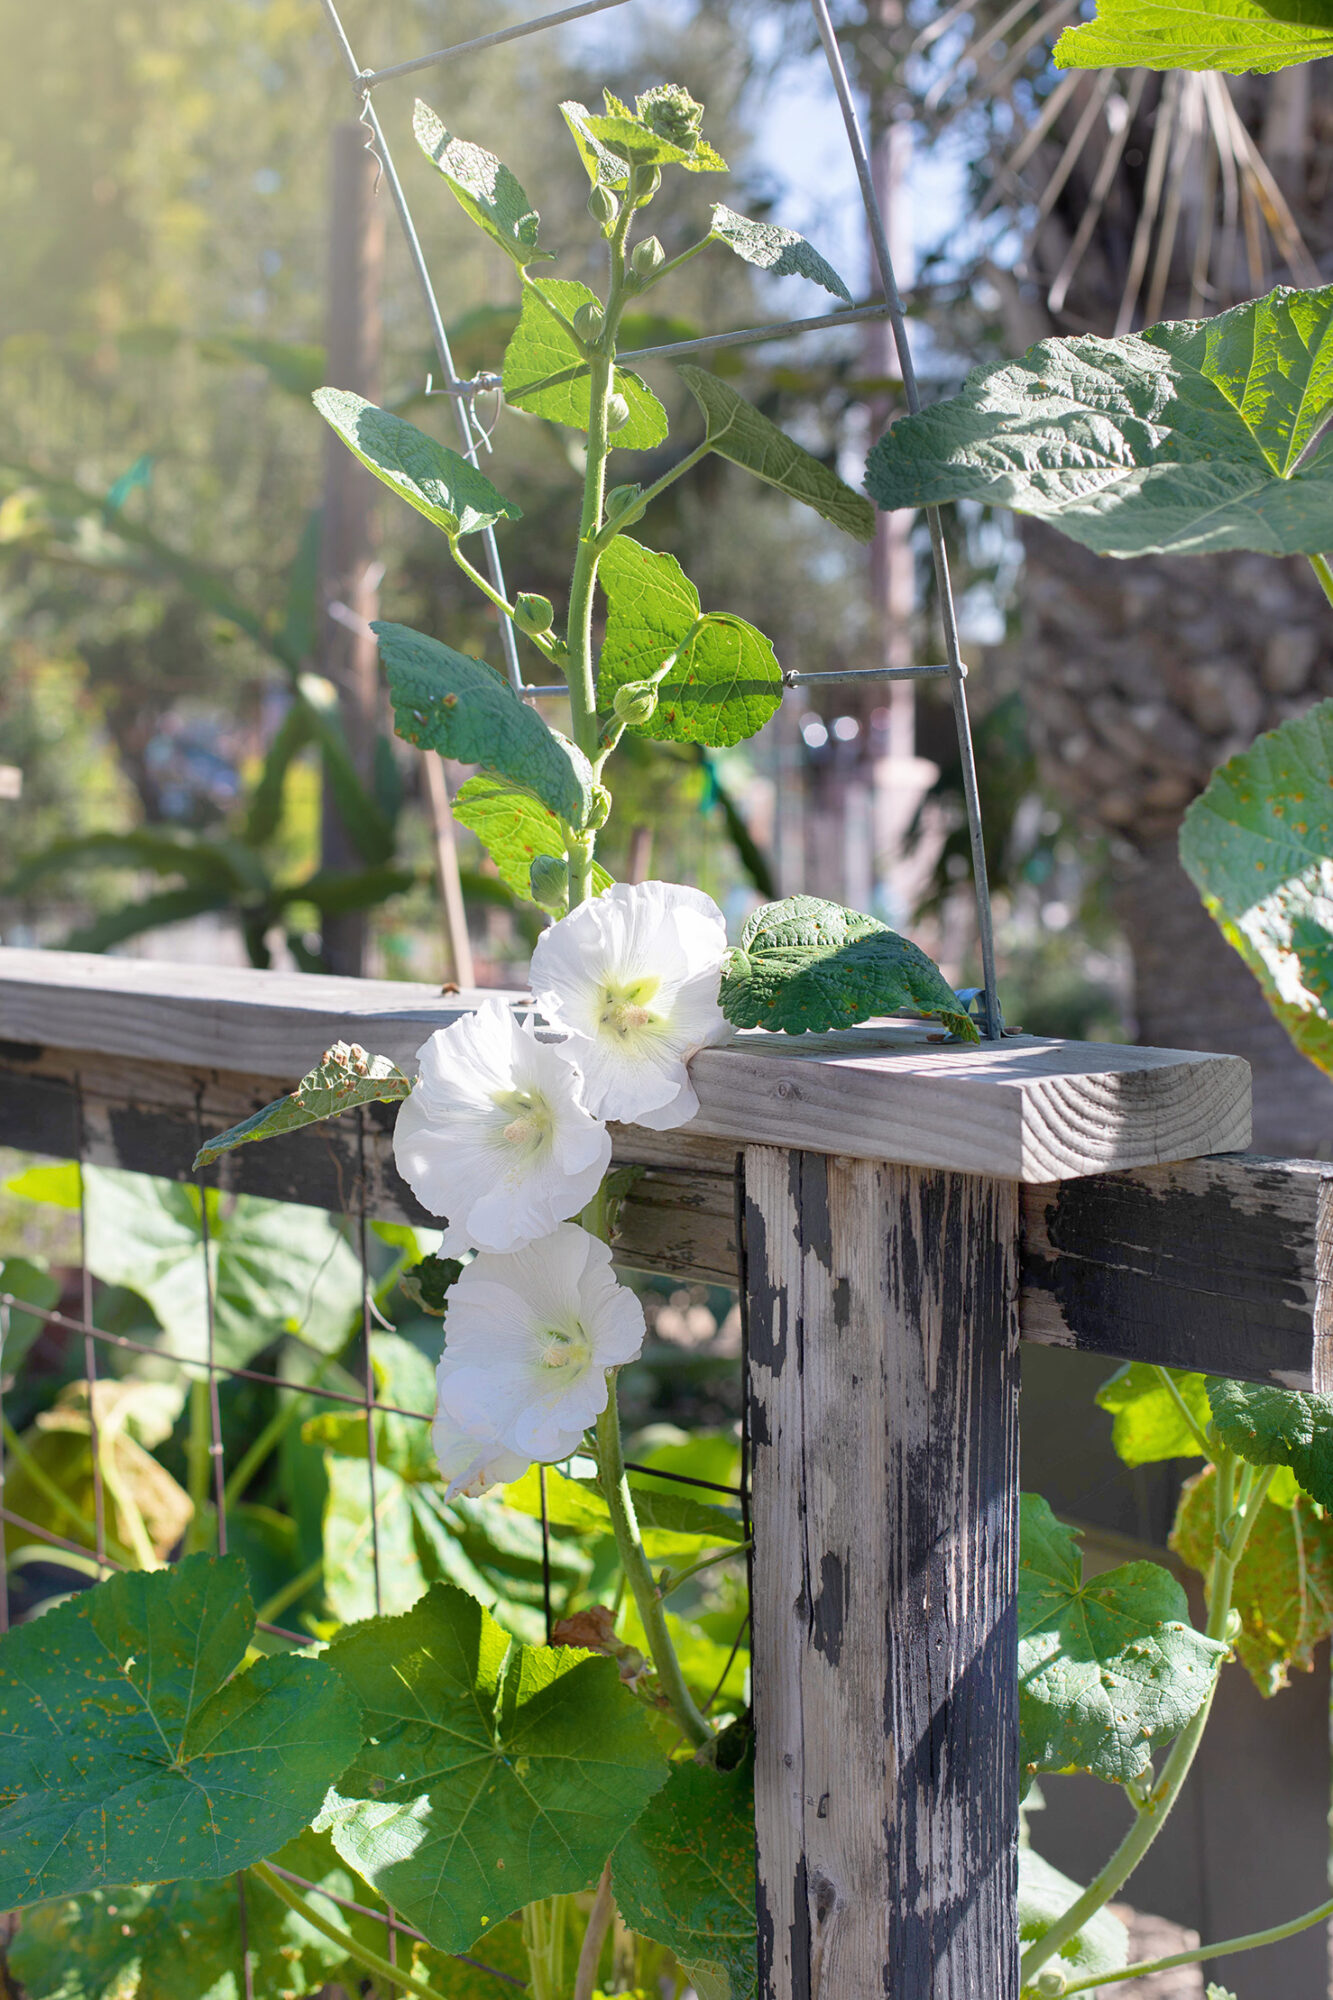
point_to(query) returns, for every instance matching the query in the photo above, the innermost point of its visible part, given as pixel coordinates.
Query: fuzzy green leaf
(684, 1874)
(495, 1773)
(1107, 1668)
(1283, 1584)
(444, 701)
(1230, 35)
(725, 685)
(1148, 1422)
(344, 1077)
(805, 966)
(1258, 845)
(779, 251)
(1044, 1894)
(737, 431)
(545, 374)
(483, 187)
(1277, 1427)
(604, 168)
(131, 1750)
(661, 131)
(420, 470)
(1183, 439)
(514, 828)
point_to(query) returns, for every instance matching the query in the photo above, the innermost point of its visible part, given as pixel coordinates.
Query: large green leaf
(436, 481)
(132, 1751)
(726, 683)
(737, 431)
(494, 1773)
(275, 1268)
(545, 373)
(1277, 1427)
(1107, 1668)
(684, 1874)
(444, 701)
(1230, 35)
(673, 1523)
(514, 828)
(779, 251)
(1149, 1425)
(1258, 845)
(1195, 435)
(483, 186)
(344, 1077)
(804, 965)
(1283, 1584)
(1044, 1894)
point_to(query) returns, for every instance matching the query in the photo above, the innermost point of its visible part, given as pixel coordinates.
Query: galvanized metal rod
(793, 679)
(749, 336)
(471, 439)
(373, 77)
(991, 1022)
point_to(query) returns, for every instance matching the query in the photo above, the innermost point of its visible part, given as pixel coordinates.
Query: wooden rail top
(1026, 1110)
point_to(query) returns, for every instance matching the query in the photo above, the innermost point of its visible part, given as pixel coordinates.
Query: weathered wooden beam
(1216, 1264)
(1023, 1109)
(1222, 1264)
(883, 1392)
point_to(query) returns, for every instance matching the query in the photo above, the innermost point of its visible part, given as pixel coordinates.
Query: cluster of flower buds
(505, 1135)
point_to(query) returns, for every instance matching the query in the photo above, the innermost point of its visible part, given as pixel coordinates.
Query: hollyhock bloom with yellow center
(632, 979)
(495, 1135)
(529, 1338)
(471, 1465)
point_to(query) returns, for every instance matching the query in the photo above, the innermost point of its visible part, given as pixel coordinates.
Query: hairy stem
(1324, 571)
(620, 1501)
(199, 1465)
(1204, 1952)
(544, 1940)
(1230, 1536)
(594, 1937)
(650, 493)
(359, 1953)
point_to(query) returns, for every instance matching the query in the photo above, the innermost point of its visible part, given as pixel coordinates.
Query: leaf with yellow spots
(1258, 846)
(1108, 1666)
(493, 1774)
(131, 1750)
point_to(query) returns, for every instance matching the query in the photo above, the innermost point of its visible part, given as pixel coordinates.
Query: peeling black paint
(842, 1304)
(766, 1936)
(830, 1608)
(800, 1936)
(809, 1186)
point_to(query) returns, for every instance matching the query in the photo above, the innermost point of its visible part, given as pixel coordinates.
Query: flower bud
(587, 321)
(603, 206)
(599, 812)
(645, 257)
(548, 879)
(635, 703)
(649, 183)
(533, 613)
(620, 499)
(1050, 1983)
(617, 413)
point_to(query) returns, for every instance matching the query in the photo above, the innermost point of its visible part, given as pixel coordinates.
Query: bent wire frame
(475, 438)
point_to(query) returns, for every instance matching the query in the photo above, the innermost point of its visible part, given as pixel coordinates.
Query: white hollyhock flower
(632, 978)
(529, 1339)
(495, 1135)
(471, 1465)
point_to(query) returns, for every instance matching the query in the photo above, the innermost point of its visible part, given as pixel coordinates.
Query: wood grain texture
(1222, 1265)
(1025, 1110)
(884, 1421)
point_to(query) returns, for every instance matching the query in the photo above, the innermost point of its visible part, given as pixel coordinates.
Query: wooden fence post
(883, 1386)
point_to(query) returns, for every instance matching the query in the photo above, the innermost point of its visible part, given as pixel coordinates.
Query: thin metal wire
(792, 680)
(992, 1026)
(546, 1553)
(683, 1479)
(373, 77)
(89, 1345)
(366, 1323)
(215, 1450)
(750, 336)
(403, 1929)
(471, 440)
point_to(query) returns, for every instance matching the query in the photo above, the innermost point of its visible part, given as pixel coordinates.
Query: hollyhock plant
(471, 1465)
(495, 1136)
(632, 979)
(529, 1339)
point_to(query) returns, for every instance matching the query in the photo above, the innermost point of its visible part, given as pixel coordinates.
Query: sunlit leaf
(545, 373)
(1268, 1426)
(1149, 1424)
(514, 828)
(428, 475)
(737, 431)
(1044, 1894)
(684, 1873)
(483, 187)
(779, 251)
(1230, 35)
(344, 1077)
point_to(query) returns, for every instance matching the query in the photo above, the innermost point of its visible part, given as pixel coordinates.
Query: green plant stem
(1230, 1539)
(295, 1587)
(199, 1466)
(550, 647)
(1204, 1952)
(392, 1975)
(594, 1937)
(544, 1940)
(673, 264)
(47, 1487)
(272, 1434)
(651, 493)
(128, 1510)
(1324, 571)
(615, 1491)
(672, 1579)
(1192, 1424)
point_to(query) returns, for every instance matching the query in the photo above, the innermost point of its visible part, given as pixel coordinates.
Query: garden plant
(578, 1815)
